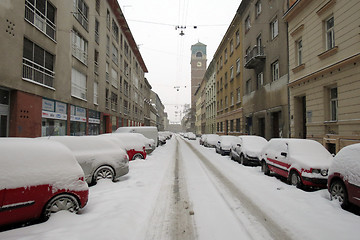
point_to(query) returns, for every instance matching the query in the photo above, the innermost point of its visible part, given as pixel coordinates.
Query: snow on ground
(125, 209)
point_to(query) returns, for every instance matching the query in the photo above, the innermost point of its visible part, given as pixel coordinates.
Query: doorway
(4, 112)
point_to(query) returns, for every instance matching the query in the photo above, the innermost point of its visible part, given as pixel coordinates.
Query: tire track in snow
(171, 218)
(261, 217)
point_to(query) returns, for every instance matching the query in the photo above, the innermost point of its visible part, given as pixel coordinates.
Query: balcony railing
(255, 58)
(37, 73)
(39, 20)
(79, 54)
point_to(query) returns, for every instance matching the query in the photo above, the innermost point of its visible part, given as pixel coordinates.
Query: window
(248, 86)
(221, 62)
(299, 51)
(79, 47)
(330, 37)
(41, 13)
(199, 55)
(238, 66)
(96, 62)
(333, 104)
(238, 97)
(96, 93)
(97, 6)
(275, 70)
(231, 73)
(231, 99)
(38, 64)
(114, 78)
(226, 102)
(247, 23)
(231, 125)
(108, 18)
(107, 67)
(113, 101)
(238, 125)
(226, 55)
(78, 84)
(115, 30)
(237, 38)
(231, 46)
(97, 24)
(114, 54)
(81, 11)
(274, 26)
(258, 8)
(260, 80)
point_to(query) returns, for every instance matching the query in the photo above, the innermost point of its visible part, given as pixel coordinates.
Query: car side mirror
(284, 154)
(239, 145)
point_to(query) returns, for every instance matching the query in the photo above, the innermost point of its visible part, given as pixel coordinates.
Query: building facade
(228, 61)
(265, 75)
(72, 68)
(210, 99)
(324, 59)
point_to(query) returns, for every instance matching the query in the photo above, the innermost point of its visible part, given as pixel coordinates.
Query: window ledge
(328, 53)
(298, 68)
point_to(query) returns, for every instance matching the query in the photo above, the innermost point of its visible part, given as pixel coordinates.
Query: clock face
(198, 64)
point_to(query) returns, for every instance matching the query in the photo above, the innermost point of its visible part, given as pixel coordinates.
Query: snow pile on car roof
(128, 141)
(30, 162)
(347, 162)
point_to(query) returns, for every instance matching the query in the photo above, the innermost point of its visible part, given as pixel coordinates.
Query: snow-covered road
(186, 191)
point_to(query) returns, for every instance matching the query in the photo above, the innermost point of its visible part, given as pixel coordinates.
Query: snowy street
(186, 191)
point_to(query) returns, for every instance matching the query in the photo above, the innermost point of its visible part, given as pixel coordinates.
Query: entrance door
(275, 124)
(303, 105)
(261, 127)
(4, 112)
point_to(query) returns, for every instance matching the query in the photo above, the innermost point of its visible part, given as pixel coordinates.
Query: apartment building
(210, 98)
(228, 60)
(69, 68)
(265, 74)
(324, 75)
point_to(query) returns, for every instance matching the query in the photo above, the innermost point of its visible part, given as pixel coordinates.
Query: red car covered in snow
(344, 176)
(38, 178)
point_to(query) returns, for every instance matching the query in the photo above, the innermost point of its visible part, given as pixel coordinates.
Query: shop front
(54, 118)
(94, 122)
(77, 121)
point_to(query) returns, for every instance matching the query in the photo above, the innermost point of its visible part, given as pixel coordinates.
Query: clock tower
(198, 69)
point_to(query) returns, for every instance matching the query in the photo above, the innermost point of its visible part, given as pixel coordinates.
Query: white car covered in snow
(303, 162)
(248, 150)
(223, 146)
(211, 140)
(100, 158)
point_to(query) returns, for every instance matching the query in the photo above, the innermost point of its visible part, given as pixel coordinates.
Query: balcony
(255, 58)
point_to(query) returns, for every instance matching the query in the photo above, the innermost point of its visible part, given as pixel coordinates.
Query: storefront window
(54, 115)
(77, 121)
(94, 122)
(53, 127)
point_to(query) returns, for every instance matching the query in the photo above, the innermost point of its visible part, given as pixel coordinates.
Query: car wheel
(103, 172)
(222, 152)
(138, 156)
(338, 191)
(264, 168)
(294, 179)
(61, 202)
(242, 159)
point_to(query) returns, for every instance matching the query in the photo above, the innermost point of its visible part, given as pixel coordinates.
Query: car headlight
(324, 172)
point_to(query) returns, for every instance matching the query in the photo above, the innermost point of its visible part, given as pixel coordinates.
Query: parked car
(190, 136)
(38, 178)
(100, 158)
(162, 138)
(303, 162)
(248, 150)
(133, 143)
(344, 176)
(202, 139)
(224, 144)
(148, 131)
(211, 140)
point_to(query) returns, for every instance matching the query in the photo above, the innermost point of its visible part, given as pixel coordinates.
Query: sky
(166, 54)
